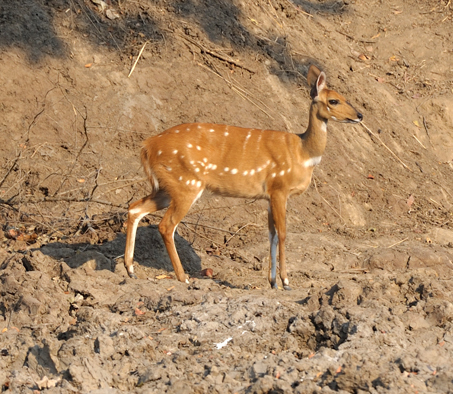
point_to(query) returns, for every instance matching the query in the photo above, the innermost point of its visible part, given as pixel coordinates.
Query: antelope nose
(360, 116)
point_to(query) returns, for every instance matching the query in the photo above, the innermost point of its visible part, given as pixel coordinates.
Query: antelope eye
(333, 102)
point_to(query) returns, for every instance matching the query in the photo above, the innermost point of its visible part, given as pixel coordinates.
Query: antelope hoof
(132, 275)
(286, 287)
(274, 285)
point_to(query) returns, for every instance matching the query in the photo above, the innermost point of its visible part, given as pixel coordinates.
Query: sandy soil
(370, 244)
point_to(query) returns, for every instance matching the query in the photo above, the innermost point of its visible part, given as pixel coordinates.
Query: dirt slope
(369, 244)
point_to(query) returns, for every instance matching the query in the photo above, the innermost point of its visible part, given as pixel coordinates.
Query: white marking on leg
(324, 126)
(273, 239)
(286, 282)
(312, 161)
(198, 195)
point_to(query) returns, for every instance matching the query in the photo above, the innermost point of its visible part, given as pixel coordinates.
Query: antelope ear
(312, 76)
(319, 85)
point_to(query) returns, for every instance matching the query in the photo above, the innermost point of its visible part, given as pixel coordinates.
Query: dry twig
(385, 146)
(215, 54)
(138, 58)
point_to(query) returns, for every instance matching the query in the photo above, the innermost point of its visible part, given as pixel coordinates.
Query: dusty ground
(370, 245)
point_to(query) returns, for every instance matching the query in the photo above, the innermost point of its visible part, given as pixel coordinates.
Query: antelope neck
(315, 137)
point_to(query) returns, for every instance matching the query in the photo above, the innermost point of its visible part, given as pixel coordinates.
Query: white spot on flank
(259, 169)
(288, 170)
(245, 172)
(198, 147)
(180, 178)
(273, 175)
(214, 166)
(189, 145)
(252, 172)
(193, 182)
(187, 182)
(226, 169)
(211, 130)
(175, 151)
(198, 127)
(208, 166)
(313, 161)
(282, 173)
(188, 129)
(176, 131)
(205, 160)
(226, 133)
(202, 164)
(198, 183)
(234, 171)
(249, 134)
(159, 152)
(197, 170)
(191, 162)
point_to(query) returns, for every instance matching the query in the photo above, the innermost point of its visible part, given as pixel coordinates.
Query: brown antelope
(185, 160)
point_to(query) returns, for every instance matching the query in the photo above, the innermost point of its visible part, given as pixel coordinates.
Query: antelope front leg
(277, 217)
(273, 241)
